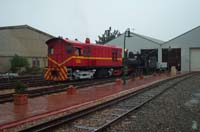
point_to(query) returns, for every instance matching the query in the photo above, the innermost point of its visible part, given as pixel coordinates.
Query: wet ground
(177, 110)
(45, 108)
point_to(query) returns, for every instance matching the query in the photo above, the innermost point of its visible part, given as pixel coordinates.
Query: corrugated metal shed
(137, 42)
(189, 42)
(22, 40)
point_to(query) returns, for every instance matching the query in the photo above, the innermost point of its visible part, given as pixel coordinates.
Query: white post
(159, 56)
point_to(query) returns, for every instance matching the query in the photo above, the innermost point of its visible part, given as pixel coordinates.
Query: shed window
(38, 63)
(68, 48)
(35, 62)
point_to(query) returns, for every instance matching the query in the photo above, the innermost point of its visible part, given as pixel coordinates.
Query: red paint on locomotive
(66, 56)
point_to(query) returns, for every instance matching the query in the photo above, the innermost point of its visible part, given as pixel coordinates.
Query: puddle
(85, 127)
(197, 95)
(194, 125)
(192, 102)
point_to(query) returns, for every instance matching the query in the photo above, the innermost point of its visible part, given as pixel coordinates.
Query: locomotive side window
(68, 48)
(50, 50)
(118, 54)
(86, 51)
(114, 55)
(77, 51)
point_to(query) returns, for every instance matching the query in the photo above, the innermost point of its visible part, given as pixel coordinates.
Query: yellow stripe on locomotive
(55, 74)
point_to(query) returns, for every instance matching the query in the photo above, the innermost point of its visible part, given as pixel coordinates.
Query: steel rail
(56, 88)
(53, 123)
(30, 83)
(108, 124)
(19, 78)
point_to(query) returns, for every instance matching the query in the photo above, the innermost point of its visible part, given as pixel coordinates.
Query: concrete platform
(61, 103)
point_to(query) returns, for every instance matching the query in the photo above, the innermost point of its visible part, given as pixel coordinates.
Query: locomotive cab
(57, 51)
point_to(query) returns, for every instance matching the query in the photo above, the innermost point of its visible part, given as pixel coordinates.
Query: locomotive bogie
(80, 74)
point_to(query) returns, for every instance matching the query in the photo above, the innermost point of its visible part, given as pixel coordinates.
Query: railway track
(31, 81)
(101, 117)
(56, 88)
(34, 82)
(3, 80)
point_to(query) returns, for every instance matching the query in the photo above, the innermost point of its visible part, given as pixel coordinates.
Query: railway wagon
(68, 59)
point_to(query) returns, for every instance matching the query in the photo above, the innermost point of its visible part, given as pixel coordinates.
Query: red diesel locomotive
(69, 59)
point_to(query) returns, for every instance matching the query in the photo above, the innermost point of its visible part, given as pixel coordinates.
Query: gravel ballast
(177, 110)
(95, 120)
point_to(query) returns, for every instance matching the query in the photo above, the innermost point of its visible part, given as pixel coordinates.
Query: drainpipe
(159, 56)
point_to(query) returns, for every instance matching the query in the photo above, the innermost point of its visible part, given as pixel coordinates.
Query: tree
(17, 62)
(108, 36)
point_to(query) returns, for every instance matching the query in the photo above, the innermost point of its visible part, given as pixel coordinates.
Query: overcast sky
(161, 19)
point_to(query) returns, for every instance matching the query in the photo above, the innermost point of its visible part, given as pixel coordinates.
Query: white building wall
(185, 41)
(23, 42)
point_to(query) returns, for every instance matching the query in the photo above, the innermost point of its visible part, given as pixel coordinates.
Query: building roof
(179, 36)
(150, 38)
(156, 41)
(25, 26)
(23, 40)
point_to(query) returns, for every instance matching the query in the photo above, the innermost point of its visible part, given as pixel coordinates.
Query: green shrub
(20, 87)
(17, 62)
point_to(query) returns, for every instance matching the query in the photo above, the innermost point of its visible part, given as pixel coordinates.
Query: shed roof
(147, 38)
(182, 35)
(25, 26)
(150, 38)
(23, 40)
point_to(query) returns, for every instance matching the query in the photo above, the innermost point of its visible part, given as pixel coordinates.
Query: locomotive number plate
(78, 61)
